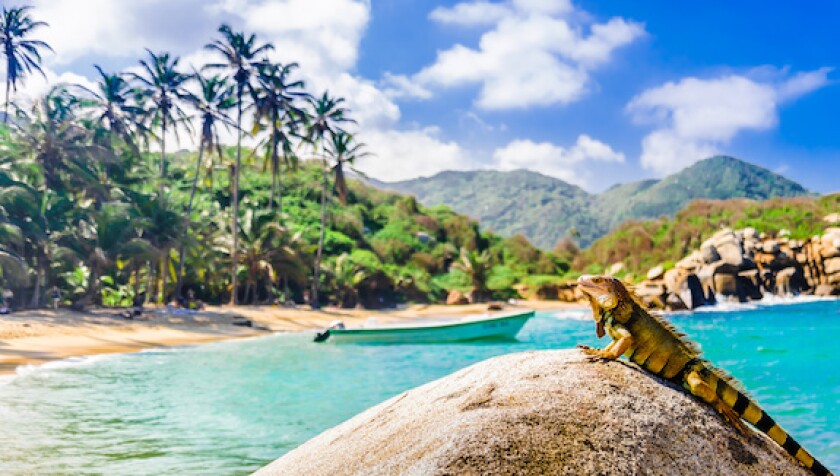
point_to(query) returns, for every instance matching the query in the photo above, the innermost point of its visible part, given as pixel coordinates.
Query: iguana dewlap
(655, 345)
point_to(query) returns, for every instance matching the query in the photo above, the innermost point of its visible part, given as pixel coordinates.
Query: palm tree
(477, 267)
(112, 109)
(164, 85)
(162, 224)
(260, 236)
(12, 242)
(62, 148)
(240, 54)
(214, 98)
(275, 103)
(326, 116)
(23, 56)
(342, 150)
(347, 276)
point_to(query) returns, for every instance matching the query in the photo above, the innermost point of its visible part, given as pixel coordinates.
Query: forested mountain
(546, 209)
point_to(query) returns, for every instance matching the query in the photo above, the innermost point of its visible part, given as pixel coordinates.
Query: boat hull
(495, 327)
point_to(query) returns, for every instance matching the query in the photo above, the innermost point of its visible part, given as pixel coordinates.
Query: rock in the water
(832, 265)
(826, 290)
(548, 412)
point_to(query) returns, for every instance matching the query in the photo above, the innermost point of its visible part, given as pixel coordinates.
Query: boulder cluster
(745, 265)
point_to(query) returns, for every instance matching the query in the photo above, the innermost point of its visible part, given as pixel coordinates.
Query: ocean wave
(571, 314)
(70, 362)
(724, 305)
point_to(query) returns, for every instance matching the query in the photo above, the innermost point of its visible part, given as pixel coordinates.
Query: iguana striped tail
(747, 409)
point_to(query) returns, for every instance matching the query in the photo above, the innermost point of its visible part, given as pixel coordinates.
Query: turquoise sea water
(230, 407)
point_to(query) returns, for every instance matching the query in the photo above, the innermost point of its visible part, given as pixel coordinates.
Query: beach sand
(38, 336)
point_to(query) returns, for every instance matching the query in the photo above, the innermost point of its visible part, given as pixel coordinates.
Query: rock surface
(547, 412)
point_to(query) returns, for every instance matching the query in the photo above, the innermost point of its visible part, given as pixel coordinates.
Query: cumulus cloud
(532, 55)
(556, 161)
(475, 13)
(400, 86)
(117, 29)
(406, 154)
(696, 117)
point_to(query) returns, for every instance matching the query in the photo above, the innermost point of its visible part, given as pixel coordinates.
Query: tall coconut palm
(113, 110)
(164, 85)
(275, 102)
(326, 117)
(241, 56)
(342, 151)
(23, 56)
(215, 97)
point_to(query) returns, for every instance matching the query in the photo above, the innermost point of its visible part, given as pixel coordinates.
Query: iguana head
(604, 294)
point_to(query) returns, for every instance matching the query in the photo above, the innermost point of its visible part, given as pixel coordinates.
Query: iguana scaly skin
(656, 346)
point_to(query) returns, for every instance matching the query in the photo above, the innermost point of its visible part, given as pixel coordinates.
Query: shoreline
(36, 337)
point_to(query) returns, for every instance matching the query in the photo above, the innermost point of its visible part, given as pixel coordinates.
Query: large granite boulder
(548, 412)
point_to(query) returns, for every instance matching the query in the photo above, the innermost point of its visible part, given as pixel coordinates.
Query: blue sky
(592, 92)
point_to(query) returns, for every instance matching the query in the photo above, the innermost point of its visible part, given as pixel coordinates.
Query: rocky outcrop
(549, 412)
(744, 265)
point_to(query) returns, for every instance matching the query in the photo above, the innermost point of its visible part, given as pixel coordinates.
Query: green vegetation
(88, 206)
(546, 210)
(640, 245)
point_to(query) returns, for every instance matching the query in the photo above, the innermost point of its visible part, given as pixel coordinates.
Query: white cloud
(323, 39)
(556, 161)
(400, 86)
(532, 56)
(36, 86)
(120, 29)
(697, 117)
(474, 13)
(401, 155)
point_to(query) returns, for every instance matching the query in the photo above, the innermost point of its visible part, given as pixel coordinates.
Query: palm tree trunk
(273, 169)
(235, 249)
(36, 294)
(136, 280)
(280, 189)
(164, 271)
(6, 107)
(162, 156)
(316, 281)
(151, 293)
(183, 244)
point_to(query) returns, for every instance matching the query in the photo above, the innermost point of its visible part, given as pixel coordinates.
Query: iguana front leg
(616, 348)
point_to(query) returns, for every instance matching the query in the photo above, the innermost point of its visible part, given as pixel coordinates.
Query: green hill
(718, 178)
(543, 209)
(546, 209)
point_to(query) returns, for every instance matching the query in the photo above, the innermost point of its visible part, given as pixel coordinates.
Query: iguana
(655, 345)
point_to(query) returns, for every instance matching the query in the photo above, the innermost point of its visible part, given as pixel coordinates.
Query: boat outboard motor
(325, 334)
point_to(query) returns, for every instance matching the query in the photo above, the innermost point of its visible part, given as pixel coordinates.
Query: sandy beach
(34, 337)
